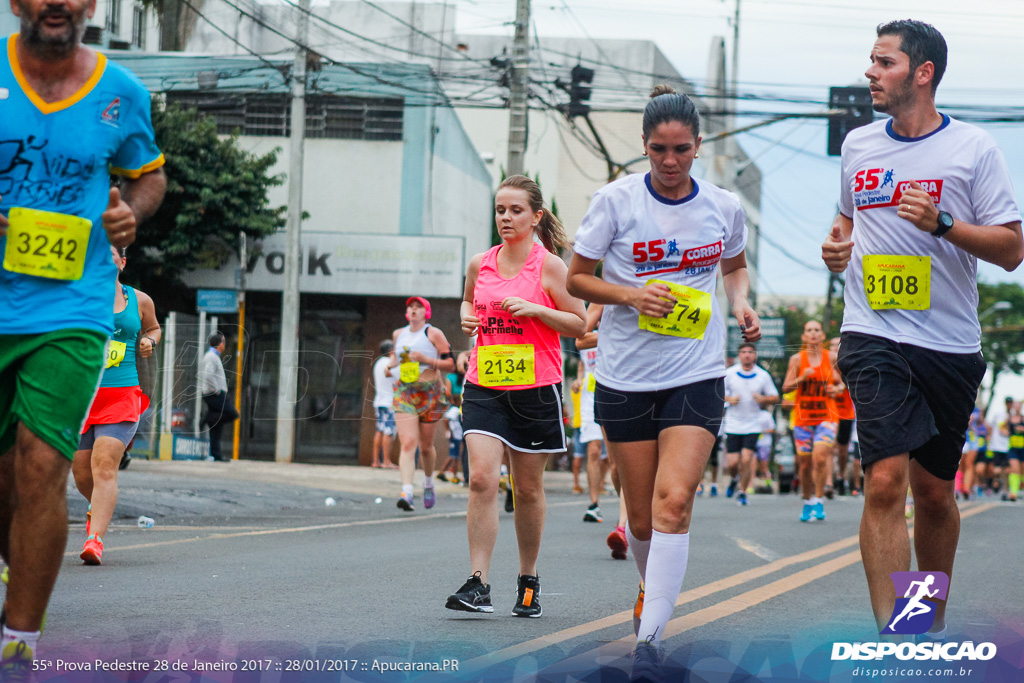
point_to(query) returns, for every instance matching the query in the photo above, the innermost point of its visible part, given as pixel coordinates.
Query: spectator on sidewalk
(219, 411)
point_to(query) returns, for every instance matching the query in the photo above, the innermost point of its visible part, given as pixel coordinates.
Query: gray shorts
(122, 431)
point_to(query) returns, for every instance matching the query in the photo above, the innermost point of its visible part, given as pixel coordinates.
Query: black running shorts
(910, 400)
(734, 443)
(641, 415)
(844, 432)
(527, 420)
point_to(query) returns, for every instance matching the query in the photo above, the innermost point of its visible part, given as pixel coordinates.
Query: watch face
(945, 220)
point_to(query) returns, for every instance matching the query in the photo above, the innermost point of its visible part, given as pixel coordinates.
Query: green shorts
(47, 382)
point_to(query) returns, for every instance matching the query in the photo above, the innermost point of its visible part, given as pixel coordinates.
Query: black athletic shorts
(735, 442)
(713, 459)
(641, 415)
(528, 420)
(910, 400)
(999, 458)
(844, 432)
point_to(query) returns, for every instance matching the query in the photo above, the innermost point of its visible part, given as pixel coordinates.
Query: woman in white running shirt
(659, 396)
(422, 354)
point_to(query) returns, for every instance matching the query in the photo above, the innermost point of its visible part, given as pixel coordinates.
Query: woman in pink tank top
(516, 306)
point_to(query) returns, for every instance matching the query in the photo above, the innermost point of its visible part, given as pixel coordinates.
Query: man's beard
(895, 100)
(49, 46)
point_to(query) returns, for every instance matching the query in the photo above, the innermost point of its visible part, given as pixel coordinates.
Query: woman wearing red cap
(422, 353)
(517, 306)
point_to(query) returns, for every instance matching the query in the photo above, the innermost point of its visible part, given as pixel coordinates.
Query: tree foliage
(215, 191)
(1002, 331)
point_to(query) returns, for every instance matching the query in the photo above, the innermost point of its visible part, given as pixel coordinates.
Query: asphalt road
(247, 567)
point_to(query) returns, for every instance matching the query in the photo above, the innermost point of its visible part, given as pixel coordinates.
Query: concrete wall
(338, 193)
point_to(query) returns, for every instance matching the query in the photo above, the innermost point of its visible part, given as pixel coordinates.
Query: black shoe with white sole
(474, 596)
(527, 591)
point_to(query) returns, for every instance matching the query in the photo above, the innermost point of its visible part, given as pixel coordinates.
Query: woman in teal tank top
(116, 409)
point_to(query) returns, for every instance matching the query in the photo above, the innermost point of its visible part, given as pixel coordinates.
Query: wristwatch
(945, 224)
(151, 340)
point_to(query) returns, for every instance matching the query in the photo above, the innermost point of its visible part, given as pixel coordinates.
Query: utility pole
(289, 369)
(518, 105)
(243, 258)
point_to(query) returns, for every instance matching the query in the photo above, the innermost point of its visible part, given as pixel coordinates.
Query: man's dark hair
(386, 347)
(921, 42)
(216, 338)
(747, 345)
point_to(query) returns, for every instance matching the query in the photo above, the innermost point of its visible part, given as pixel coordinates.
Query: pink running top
(511, 352)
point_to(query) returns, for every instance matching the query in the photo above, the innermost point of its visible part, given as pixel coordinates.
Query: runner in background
(749, 389)
(590, 435)
(115, 411)
(421, 354)
(1014, 454)
(383, 406)
(973, 445)
(764, 450)
(811, 373)
(845, 415)
(998, 445)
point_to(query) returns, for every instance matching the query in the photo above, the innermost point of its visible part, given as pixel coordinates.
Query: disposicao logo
(914, 613)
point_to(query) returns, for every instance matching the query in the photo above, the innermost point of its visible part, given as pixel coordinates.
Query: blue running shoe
(741, 499)
(732, 488)
(805, 516)
(714, 490)
(819, 511)
(428, 497)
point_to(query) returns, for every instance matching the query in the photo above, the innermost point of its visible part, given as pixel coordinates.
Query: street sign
(773, 338)
(217, 300)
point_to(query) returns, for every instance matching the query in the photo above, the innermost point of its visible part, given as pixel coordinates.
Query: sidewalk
(347, 478)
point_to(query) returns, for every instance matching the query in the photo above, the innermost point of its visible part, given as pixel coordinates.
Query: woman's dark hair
(921, 42)
(668, 105)
(552, 234)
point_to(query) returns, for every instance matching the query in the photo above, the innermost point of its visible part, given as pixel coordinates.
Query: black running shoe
(646, 664)
(527, 604)
(474, 596)
(510, 502)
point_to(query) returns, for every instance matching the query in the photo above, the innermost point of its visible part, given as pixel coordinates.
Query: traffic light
(857, 101)
(579, 94)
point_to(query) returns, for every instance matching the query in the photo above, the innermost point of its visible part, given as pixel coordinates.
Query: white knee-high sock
(641, 549)
(666, 568)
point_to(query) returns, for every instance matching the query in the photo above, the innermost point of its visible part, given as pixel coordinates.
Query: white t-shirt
(642, 236)
(454, 417)
(961, 167)
(589, 359)
(767, 428)
(745, 416)
(383, 386)
(997, 441)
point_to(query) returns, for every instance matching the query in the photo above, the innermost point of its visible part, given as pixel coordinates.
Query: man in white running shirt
(748, 390)
(922, 197)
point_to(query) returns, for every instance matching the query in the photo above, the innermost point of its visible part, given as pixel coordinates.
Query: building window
(113, 24)
(327, 116)
(139, 26)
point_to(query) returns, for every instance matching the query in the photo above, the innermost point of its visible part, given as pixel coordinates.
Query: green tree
(215, 190)
(1002, 331)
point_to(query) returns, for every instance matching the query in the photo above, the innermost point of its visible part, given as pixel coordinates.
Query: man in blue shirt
(68, 119)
